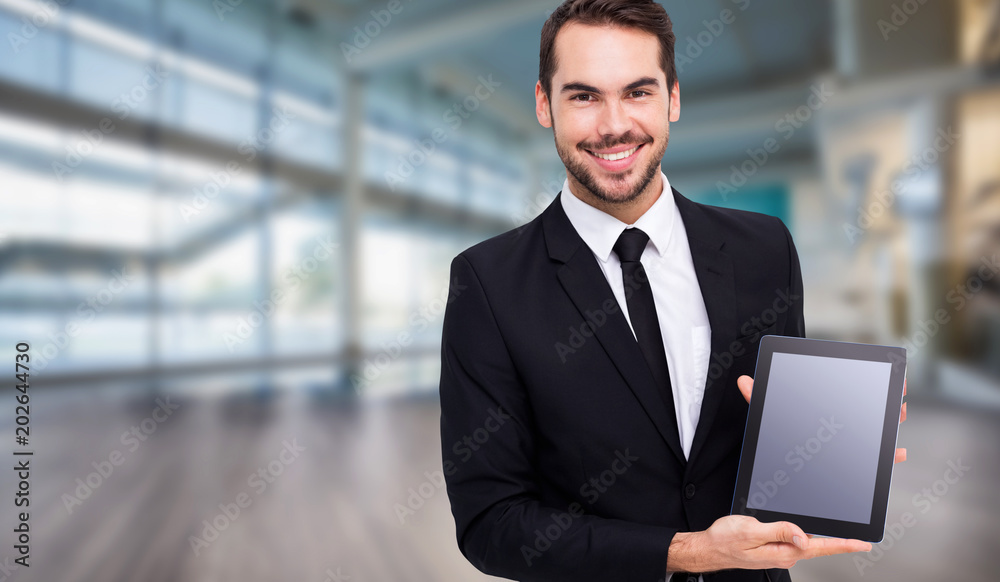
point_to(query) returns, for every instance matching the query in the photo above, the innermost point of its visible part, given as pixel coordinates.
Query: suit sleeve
(795, 325)
(488, 444)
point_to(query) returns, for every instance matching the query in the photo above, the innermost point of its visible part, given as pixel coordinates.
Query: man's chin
(622, 189)
(618, 195)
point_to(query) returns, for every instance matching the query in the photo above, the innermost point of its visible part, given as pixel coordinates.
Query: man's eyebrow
(580, 87)
(643, 82)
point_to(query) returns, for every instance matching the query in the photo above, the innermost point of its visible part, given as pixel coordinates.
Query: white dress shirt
(680, 308)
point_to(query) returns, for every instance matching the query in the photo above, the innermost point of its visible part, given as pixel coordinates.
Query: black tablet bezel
(872, 531)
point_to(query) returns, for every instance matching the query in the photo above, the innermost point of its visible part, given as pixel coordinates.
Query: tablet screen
(818, 448)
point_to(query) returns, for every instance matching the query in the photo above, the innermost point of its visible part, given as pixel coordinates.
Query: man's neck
(628, 212)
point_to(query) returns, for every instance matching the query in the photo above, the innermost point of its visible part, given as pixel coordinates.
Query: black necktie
(642, 309)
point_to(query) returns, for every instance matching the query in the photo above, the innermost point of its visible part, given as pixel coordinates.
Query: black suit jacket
(561, 460)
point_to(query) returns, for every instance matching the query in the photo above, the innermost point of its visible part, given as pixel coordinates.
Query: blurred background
(226, 229)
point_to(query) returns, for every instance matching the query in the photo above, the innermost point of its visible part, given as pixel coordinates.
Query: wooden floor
(331, 512)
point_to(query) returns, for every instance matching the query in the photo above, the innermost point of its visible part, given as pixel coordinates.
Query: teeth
(618, 156)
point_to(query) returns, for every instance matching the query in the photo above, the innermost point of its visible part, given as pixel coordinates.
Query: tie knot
(630, 245)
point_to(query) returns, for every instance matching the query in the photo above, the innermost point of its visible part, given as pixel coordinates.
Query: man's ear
(543, 109)
(675, 102)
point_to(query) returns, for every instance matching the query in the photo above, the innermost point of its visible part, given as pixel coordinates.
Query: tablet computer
(820, 438)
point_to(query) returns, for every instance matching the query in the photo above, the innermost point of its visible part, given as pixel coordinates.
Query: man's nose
(614, 119)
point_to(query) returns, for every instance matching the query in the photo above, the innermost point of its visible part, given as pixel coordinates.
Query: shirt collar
(601, 230)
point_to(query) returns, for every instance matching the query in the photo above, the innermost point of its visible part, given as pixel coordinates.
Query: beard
(622, 191)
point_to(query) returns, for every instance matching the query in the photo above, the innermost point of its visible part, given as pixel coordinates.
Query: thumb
(784, 531)
(745, 384)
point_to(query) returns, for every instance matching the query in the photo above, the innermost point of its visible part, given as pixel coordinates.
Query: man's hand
(745, 384)
(740, 541)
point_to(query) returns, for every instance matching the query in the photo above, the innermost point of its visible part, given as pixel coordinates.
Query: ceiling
(768, 42)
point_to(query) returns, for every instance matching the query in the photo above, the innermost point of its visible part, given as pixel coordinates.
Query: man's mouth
(614, 157)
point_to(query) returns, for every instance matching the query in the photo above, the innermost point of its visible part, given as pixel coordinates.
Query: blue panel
(770, 199)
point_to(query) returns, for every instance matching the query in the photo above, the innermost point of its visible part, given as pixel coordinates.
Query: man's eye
(581, 97)
(639, 93)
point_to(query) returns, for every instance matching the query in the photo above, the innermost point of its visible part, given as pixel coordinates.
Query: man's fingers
(745, 384)
(831, 546)
(902, 413)
(904, 386)
(900, 456)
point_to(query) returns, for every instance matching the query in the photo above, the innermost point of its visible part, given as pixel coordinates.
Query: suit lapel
(584, 282)
(587, 287)
(714, 270)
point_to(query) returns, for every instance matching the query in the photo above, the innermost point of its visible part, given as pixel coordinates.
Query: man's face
(610, 110)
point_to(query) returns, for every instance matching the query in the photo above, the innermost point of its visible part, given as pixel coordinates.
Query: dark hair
(644, 15)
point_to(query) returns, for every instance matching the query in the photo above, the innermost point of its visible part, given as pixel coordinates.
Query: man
(591, 417)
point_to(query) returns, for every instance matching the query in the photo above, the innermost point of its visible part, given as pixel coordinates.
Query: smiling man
(613, 335)
(613, 133)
